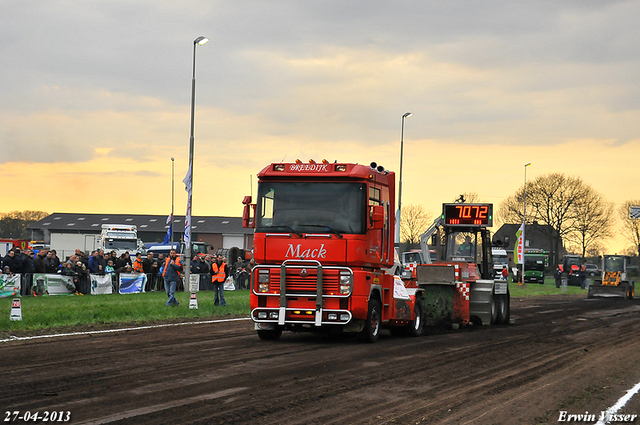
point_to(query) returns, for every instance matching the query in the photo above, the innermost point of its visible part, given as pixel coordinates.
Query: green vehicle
(534, 263)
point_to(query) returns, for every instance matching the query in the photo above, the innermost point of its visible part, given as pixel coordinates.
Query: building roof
(74, 222)
(537, 234)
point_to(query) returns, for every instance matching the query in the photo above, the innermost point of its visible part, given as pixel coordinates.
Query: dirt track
(564, 353)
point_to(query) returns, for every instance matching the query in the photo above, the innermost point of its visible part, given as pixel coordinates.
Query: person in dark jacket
(28, 265)
(171, 274)
(94, 264)
(150, 268)
(13, 261)
(51, 263)
(557, 275)
(40, 262)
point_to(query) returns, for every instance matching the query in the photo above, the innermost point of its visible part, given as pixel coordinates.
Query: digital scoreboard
(468, 214)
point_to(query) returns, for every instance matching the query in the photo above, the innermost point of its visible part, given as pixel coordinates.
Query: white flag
(187, 181)
(187, 219)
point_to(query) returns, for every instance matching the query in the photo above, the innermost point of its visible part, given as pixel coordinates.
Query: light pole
(188, 180)
(172, 196)
(524, 221)
(404, 116)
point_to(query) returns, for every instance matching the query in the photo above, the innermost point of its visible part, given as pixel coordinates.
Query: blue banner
(132, 283)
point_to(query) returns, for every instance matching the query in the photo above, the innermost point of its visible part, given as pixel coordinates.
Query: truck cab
(324, 236)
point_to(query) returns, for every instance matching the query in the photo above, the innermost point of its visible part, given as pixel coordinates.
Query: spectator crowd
(79, 266)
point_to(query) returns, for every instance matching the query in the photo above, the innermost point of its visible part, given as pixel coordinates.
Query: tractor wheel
(631, 291)
(504, 309)
(494, 308)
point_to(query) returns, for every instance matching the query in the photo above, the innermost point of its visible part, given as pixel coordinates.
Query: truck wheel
(504, 310)
(630, 291)
(270, 335)
(417, 326)
(371, 329)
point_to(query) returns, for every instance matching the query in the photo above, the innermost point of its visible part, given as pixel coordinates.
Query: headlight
(263, 281)
(273, 315)
(263, 276)
(346, 280)
(332, 316)
(344, 317)
(262, 315)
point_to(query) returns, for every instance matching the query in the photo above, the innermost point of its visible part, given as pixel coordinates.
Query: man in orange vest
(219, 273)
(137, 264)
(171, 276)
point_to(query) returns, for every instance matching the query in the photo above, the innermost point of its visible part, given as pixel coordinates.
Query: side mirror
(376, 217)
(246, 212)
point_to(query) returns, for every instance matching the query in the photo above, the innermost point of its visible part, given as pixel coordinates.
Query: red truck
(324, 247)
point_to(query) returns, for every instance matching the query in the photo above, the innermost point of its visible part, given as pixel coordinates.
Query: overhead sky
(95, 97)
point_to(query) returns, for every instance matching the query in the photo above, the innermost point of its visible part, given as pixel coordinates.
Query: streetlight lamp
(188, 180)
(404, 116)
(524, 220)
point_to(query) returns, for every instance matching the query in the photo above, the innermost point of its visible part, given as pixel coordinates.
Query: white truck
(120, 238)
(500, 261)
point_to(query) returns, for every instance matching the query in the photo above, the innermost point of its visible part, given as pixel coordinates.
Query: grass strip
(99, 311)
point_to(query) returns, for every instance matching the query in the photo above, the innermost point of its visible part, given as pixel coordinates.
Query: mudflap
(598, 290)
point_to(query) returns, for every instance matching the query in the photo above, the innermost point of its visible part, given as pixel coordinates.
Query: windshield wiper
(326, 229)
(287, 228)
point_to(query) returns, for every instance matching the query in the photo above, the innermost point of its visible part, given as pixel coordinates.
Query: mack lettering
(298, 252)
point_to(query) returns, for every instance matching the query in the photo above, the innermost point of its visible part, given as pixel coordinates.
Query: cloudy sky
(96, 97)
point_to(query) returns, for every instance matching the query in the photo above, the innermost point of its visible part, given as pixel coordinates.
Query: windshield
(198, 248)
(500, 260)
(461, 246)
(613, 264)
(311, 207)
(413, 257)
(534, 263)
(121, 244)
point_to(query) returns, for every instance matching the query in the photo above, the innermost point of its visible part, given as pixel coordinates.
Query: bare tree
(593, 220)
(14, 224)
(596, 249)
(552, 199)
(630, 226)
(415, 221)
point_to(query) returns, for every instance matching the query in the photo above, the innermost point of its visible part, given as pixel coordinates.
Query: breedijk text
(315, 253)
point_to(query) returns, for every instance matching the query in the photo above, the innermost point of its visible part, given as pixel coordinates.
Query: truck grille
(307, 285)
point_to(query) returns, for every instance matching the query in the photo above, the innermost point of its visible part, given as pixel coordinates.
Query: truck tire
(630, 291)
(504, 309)
(371, 330)
(416, 327)
(270, 335)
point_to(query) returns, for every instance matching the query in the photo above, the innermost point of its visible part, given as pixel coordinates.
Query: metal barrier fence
(27, 284)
